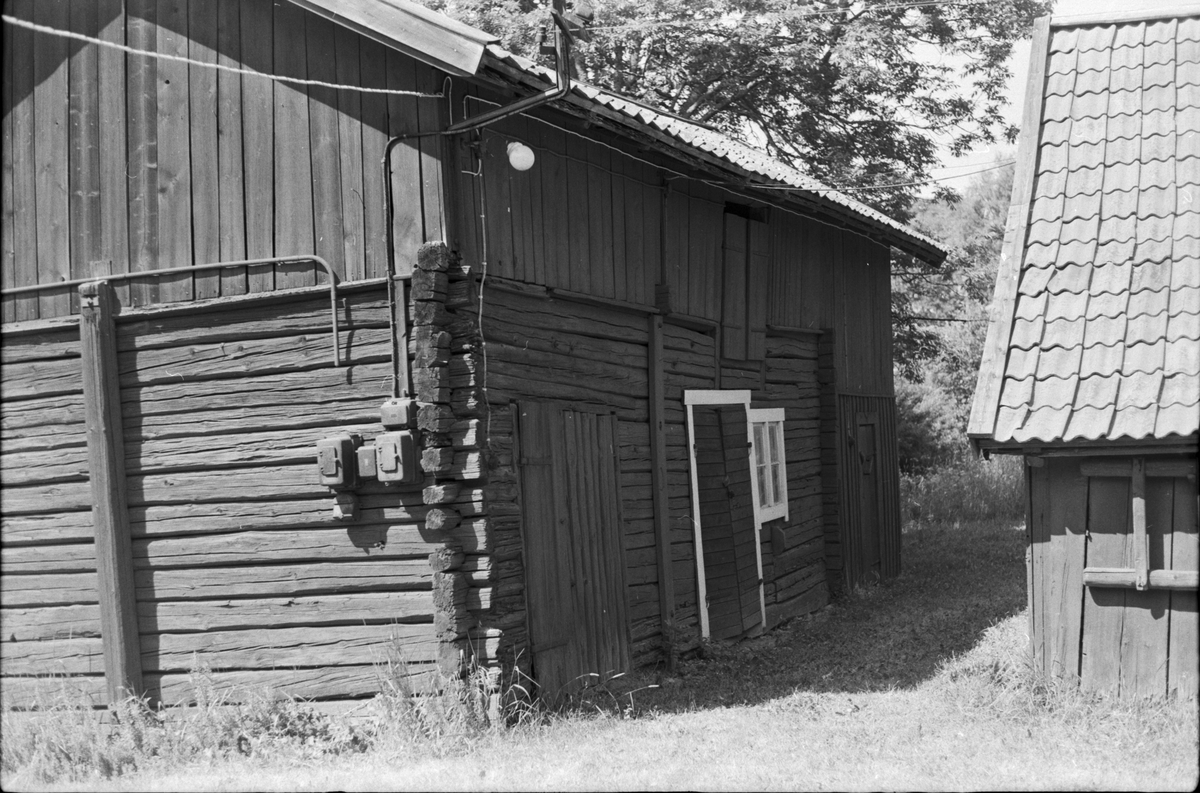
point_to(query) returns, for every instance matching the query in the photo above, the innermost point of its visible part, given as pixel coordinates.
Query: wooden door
(574, 557)
(727, 521)
(867, 447)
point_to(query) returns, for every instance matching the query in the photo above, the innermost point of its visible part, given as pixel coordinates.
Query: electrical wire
(51, 31)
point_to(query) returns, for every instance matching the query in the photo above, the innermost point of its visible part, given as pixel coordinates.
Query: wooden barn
(1092, 364)
(307, 366)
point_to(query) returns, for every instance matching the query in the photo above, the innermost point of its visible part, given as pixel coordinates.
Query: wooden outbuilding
(1092, 364)
(305, 370)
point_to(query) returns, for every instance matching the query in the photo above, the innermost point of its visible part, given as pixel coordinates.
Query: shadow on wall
(956, 583)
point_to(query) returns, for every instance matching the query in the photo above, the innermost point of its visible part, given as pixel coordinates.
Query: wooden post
(110, 513)
(1141, 550)
(658, 479)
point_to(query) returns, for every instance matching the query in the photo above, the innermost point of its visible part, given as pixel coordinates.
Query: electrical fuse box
(396, 413)
(366, 462)
(336, 461)
(396, 458)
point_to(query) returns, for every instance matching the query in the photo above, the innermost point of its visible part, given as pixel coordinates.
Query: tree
(950, 306)
(857, 94)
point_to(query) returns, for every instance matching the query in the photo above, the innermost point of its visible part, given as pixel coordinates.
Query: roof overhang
(416, 31)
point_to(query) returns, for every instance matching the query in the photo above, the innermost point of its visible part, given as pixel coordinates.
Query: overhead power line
(50, 31)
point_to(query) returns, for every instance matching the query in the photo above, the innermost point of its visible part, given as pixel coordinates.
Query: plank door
(574, 558)
(867, 448)
(727, 521)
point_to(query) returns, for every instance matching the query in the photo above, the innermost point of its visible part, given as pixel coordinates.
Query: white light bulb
(520, 156)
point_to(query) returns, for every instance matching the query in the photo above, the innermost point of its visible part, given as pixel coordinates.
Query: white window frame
(692, 397)
(770, 419)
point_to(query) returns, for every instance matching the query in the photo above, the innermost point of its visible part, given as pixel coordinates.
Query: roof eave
(808, 201)
(409, 28)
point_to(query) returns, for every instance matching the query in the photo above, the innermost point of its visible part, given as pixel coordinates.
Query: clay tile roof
(1096, 335)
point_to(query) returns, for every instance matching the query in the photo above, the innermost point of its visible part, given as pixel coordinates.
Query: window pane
(762, 485)
(776, 440)
(776, 484)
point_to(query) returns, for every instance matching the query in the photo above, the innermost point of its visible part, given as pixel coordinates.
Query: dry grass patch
(922, 682)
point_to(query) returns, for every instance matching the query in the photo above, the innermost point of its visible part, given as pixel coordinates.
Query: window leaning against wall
(770, 463)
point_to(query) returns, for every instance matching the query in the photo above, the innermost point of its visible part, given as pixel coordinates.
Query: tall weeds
(966, 490)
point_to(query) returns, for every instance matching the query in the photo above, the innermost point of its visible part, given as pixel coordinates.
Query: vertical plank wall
(1108, 638)
(125, 162)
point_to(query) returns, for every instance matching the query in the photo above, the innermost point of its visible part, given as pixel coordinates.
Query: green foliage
(968, 489)
(940, 318)
(853, 94)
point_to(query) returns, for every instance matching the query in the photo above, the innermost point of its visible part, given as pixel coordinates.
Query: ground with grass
(921, 682)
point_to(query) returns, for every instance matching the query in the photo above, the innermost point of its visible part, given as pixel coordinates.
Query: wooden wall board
(23, 182)
(290, 647)
(520, 212)
(631, 203)
(1144, 638)
(293, 219)
(758, 280)
(578, 228)
(174, 161)
(8, 258)
(432, 115)
(1104, 609)
(51, 151)
(733, 295)
(553, 168)
(1184, 642)
(314, 683)
(1061, 570)
(83, 135)
(204, 149)
(326, 145)
(675, 245)
(600, 219)
(617, 181)
(407, 231)
(114, 172)
(372, 60)
(231, 183)
(258, 139)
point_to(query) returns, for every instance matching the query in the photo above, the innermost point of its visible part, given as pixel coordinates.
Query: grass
(968, 489)
(922, 682)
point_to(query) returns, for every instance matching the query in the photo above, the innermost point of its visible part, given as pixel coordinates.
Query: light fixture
(520, 156)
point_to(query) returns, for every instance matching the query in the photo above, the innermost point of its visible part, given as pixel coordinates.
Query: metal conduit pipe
(317, 260)
(562, 37)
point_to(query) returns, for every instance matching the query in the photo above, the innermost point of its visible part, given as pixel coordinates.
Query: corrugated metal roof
(1111, 259)
(738, 157)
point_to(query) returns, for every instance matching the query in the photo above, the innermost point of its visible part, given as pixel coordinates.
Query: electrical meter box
(396, 458)
(396, 413)
(336, 463)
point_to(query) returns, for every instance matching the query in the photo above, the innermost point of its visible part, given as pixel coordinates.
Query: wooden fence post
(110, 512)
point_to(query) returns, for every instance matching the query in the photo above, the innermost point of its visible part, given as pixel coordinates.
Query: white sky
(957, 171)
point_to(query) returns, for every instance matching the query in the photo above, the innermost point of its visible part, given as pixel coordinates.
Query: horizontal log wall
(794, 549)
(49, 612)
(125, 163)
(542, 348)
(689, 361)
(240, 566)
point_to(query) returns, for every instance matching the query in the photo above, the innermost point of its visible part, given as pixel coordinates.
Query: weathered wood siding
(49, 612)
(240, 566)
(124, 162)
(557, 351)
(1111, 639)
